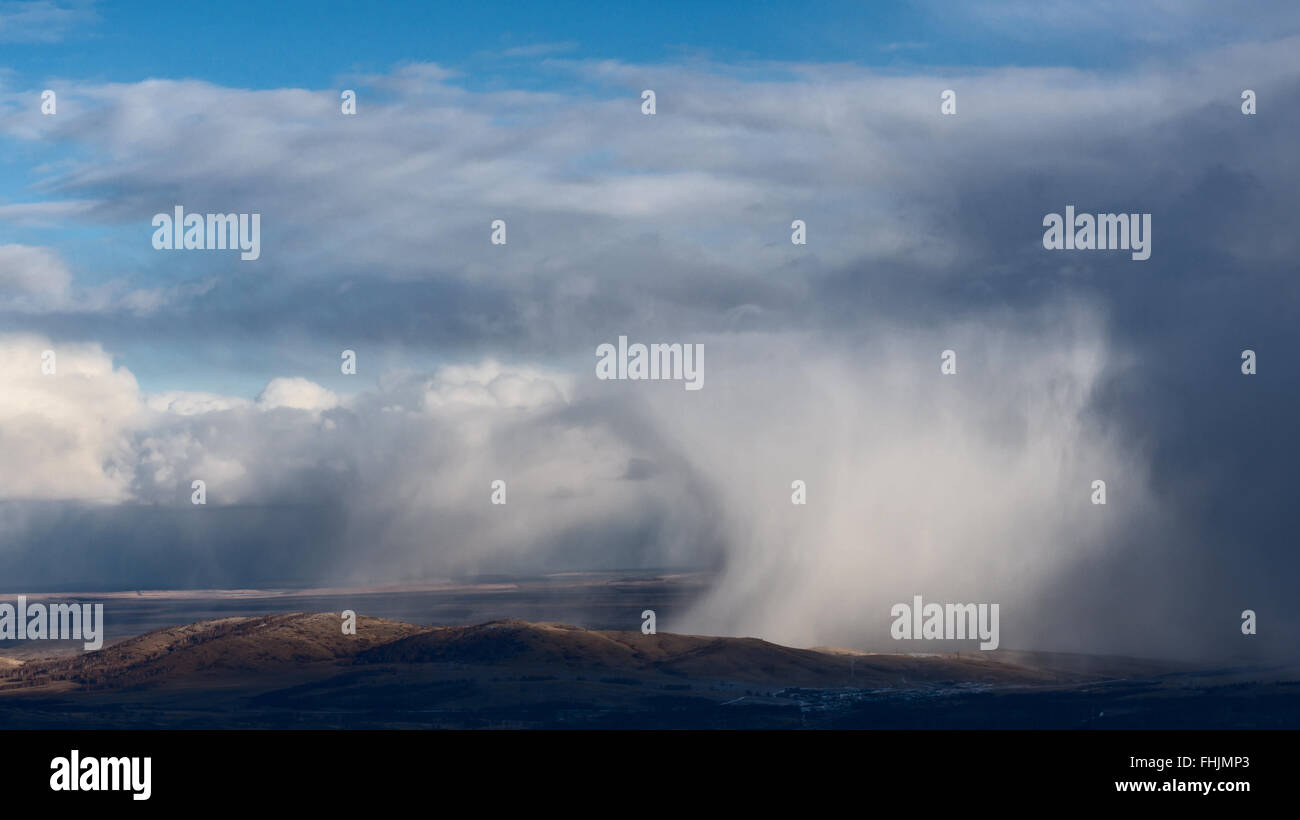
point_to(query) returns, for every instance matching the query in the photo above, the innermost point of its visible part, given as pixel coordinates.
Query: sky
(476, 361)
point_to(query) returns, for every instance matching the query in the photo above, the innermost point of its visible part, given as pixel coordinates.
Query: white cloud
(190, 403)
(296, 393)
(41, 21)
(492, 386)
(64, 435)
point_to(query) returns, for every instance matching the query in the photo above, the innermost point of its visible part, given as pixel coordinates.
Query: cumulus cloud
(63, 433)
(406, 470)
(300, 394)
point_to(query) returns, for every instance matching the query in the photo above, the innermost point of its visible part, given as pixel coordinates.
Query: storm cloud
(476, 360)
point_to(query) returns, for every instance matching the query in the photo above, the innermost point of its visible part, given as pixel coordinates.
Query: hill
(299, 670)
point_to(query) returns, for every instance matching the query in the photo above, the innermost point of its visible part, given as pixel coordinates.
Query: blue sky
(251, 44)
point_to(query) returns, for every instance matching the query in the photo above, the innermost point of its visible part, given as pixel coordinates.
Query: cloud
(32, 278)
(64, 433)
(42, 21)
(1174, 24)
(297, 393)
(971, 487)
(408, 467)
(923, 234)
(35, 281)
(614, 217)
(44, 214)
(188, 403)
(534, 50)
